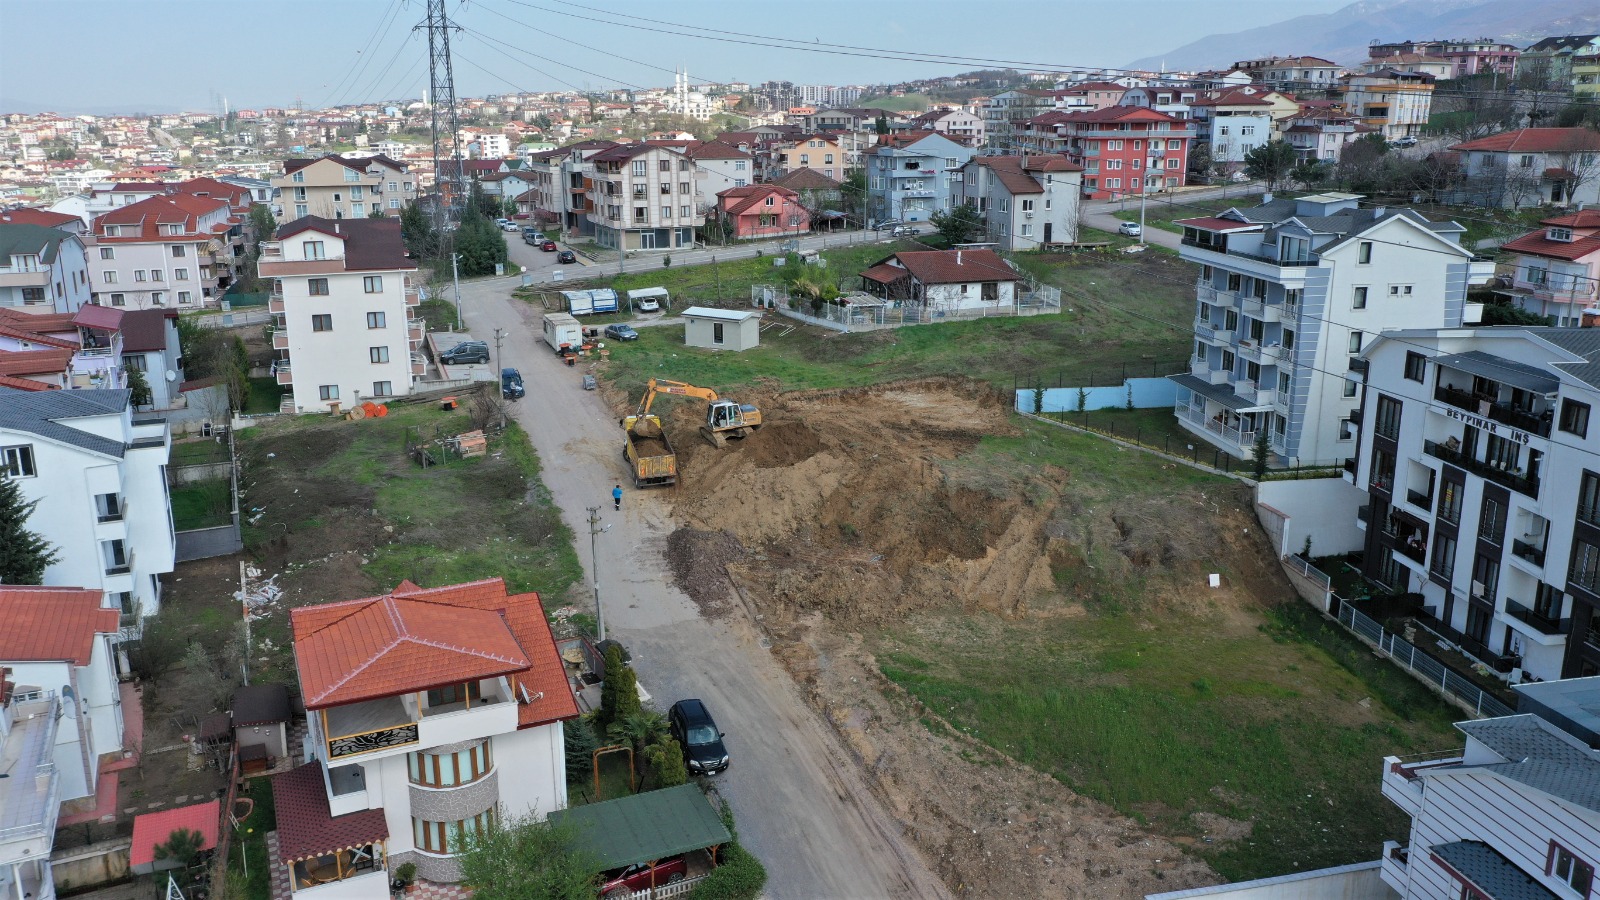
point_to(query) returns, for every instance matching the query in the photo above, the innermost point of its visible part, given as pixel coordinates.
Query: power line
(363, 57)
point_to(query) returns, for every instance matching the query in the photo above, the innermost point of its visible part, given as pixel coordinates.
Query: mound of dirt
(699, 560)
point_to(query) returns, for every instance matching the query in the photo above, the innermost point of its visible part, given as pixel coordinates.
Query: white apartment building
(431, 714)
(30, 798)
(99, 477)
(342, 187)
(1290, 292)
(1556, 273)
(167, 250)
(63, 640)
(1514, 814)
(42, 269)
(717, 168)
(342, 302)
(1026, 201)
(1395, 103)
(644, 197)
(1484, 478)
(1233, 123)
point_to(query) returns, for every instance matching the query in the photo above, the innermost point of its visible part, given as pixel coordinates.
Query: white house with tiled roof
(1026, 201)
(167, 250)
(1557, 268)
(1531, 167)
(432, 713)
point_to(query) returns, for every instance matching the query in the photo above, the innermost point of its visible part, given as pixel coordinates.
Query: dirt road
(796, 793)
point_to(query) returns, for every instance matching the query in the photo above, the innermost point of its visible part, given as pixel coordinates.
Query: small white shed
(721, 329)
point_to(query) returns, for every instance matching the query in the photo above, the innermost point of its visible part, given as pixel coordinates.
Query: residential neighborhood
(474, 452)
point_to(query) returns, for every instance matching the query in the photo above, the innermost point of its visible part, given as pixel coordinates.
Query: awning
(647, 293)
(306, 827)
(645, 827)
(1498, 368)
(92, 315)
(1491, 873)
(1221, 393)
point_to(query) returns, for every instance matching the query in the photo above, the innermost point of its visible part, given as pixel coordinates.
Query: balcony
(414, 331)
(1396, 868)
(419, 364)
(280, 340)
(1512, 480)
(286, 405)
(113, 567)
(1414, 552)
(397, 722)
(275, 304)
(413, 298)
(1525, 420)
(1541, 624)
(1204, 330)
(1528, 553)
(1243, 440)
(1420, 500)
(281, 369)
(1402, 777)
(114, 515)
(1467, 644)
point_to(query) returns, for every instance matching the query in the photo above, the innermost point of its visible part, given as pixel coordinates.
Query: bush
(580, 746)
(740, 877)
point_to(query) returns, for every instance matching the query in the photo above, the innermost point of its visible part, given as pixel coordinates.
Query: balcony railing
(280, 340)
(1528, 552)
(1412, 552)
(1518, 483)
(1504, 413)
(419, 364)
(1418, 498)
(1471, 646)
(281, 369)
(122, 568)
(367, 742)
(1539, 622)
(118, 515)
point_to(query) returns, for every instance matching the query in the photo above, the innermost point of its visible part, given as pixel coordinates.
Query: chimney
(1590, 318)
(958, 257)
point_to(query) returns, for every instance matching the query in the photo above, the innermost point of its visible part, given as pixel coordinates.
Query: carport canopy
(648, 294)
(644, 827)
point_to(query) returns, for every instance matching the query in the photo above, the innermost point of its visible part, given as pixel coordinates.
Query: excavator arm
(663, 386)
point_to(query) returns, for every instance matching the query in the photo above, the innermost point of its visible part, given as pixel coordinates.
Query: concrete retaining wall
(1148, 393)
(83, 867)
(219, 471)
(1323, 509)
(1360, 881)
(204, 543)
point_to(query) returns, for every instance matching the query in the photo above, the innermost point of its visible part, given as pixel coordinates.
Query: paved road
(1101, 215)
(799, 801)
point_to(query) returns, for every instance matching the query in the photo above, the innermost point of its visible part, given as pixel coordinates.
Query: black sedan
(567, 256)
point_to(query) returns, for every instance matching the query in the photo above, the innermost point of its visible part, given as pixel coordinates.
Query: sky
(104, 56)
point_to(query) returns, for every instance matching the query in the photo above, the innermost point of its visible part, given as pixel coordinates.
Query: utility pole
(1154, 162)
(594, 569)
(498, 335)
(455, 276)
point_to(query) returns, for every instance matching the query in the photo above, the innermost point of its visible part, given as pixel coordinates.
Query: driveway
(800, 803)
(1101, 215)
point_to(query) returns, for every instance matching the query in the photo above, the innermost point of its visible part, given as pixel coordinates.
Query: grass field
(1159, 213)
(201, 504)
(197, 452)
(264, 395)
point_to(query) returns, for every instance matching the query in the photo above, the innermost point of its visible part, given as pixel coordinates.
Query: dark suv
(511, 384)
(697, 733)
(461, 354)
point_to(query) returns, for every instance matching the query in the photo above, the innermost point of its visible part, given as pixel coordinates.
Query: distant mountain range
(1343, 35)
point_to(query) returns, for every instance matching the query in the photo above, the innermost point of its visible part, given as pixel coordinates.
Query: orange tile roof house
(1531, 167)
(763, 211)
(416, 700)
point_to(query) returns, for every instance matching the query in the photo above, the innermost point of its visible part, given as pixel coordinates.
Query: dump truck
(648, 452)
(724, 418)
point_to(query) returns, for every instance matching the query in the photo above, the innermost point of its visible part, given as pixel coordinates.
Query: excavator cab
(723, 414)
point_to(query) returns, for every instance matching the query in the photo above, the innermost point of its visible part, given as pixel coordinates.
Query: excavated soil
(851, 510)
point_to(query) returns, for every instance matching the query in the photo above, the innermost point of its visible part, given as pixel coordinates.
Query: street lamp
(1153, 163)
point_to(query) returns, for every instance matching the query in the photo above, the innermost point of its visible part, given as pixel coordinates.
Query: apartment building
(1231, 124)
(1468, 57)
(1123, 150)
(343, 187)
(30, 797)
(1548, 64)
(99, 477)
(718, 167)
(1395, 102)
(417, 702)
(643, 197)
(1530, 167)
(956, 123)
(1289, 293)
(167, 250)
(1557, 269)
(560, 184)
(58, 637)
(1005, 112)
(1026, 201)
(912, 176)
(1475, 449)
(819, 152)
(1293, 73)
(42, 269)
(342, 304)
(1515, 813)
(1321, 134)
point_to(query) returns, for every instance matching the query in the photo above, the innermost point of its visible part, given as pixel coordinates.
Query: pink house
(1558, 268)
(763, 211)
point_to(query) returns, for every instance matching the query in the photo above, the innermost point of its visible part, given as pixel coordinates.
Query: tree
(376, 213)
(639, 729)
(880, 125)
(480, 244)
(619, 694)
(487, 205)
(1502, 313)
(262, 222)
(1311, 173)
(24, 554)
(1361, 163)
(579, 744)
(959, 226)
(1200, 160)
(528, 857)
(666, 759)
(140, 388)
(1271, 162)
(1263, 447)
(853, 192)
(416, 229)
(182, 846)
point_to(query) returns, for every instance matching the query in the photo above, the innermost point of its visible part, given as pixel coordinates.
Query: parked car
(548, 245)
(621, 333)
(643, 876)
(511, 384)
(508, 225)
(697, 733)
(532, 238)
(1403, 142)
(465, 353)
(887, 224)
(1131, 229)
(903, 230)
(502, 222)
(649, 306)
(567, 257)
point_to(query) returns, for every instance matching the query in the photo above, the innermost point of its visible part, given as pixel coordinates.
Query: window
(641, 213)
(394, 203)
(17, 462)
(179, 251)
(393, 186)
(1235, 281)
(108, 507)
(300, 193)
(158, 275)
(180, 274)
(377, 320)
(328, 391)
(1349, 388)
(666, 212)
(378, 354)
(1449, 509)
(1360, 299)
(1399, 290)
(455, 693)
(450, 838)
(184, 296)
(1416, 366)
(372, 284)
(139, 275)
(312, 250)
(1230, 320)
(298, 176)
(317, 287)
(115, 554)
(157, 298)
(1027, 230)
(1355, 342)
(1388, 424)
(357, 192)
(109, 277)
(382, 389)
(1364, 252)
(688, 211)
(1005, 204)
(1486, 584)
(1228, 360)
(1444, 555)
(358, 209)
(449, 769)
(1027, 205)
(351, 175)
(1575, 418)
(1491, 520)
(665, 165)
(740, 182)
(322, 322)
(119, 300)
(738, 165)
(1589, 499)
(716, 332)
(300, 210)
(108, 253)
(1573, 872)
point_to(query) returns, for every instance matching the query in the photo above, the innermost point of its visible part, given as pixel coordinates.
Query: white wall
(534, 780)
(148, 257)
(1323, 509)
(952, 296)
(342, 356)
(1359, 881)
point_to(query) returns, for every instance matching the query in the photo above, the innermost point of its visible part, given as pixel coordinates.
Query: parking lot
(539, 262)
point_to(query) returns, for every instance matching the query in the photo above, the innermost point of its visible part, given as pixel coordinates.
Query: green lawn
(438, 315)
(264, 396)
(197, 452)
(202, 504)
(251, 833)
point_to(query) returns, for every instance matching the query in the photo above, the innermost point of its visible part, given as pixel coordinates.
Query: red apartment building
(1124, 150)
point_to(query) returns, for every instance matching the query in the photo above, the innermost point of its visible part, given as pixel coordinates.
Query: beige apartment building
(342, 187)
(643, 197)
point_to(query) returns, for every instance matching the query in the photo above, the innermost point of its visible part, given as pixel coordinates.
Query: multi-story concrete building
(168, 250)
(1557, 269)
(1481, 56)
(1548, 64)
(342, 302)
(1293, 73)
(343, 187)
(1289, 292)
(30, 795)
(955, 123)
(433, 713)
(66, 637)
(1530, 167)
(560, 184)
(42, 269)
(1477, 453)
(820, 152)
(99, 478)
(1124, 150)
(1321, 134)
(1231, 124)
(643, 197)
(1006, 111)
(912, 176)
(1395, 102)
(1026, 201)
(718, 167)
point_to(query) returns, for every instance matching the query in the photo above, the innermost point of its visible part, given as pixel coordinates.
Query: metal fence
(863, 312)
(1422, 664)
(1311, 573)
(1109, 377)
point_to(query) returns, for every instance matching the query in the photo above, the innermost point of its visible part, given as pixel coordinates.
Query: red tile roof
(1536, 244)
(26, 384)
(22, 332)
(1232, 98)
(1536, 140)
(1108, 114)
(885, 273)
(735, 201)
(145, 330)
(155, 828)
(90, 315)
(45, 217)
(419, 638)
(955, 266)
(1013, 171)
(34, 362)
(52, 623)
(1583, 218)
(42, 323)
(807, 179)
(714, 150)
(369, 244)
(357, 162)
(168, 209)
(307, 828)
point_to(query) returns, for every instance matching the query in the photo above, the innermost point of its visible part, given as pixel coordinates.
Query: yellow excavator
(724, 418)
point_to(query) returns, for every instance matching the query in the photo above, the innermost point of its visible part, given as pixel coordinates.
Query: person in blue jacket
(616, 496)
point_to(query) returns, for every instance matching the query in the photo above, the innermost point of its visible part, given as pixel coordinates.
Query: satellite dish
(171, 375)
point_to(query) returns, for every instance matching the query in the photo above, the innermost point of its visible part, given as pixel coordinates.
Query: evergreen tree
(416, 229)
(24, 555)
(960, 225)
(580, 744)
(140, 387)
(1271, 162)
